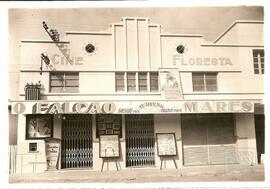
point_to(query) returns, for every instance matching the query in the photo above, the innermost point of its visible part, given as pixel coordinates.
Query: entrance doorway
(208, 139)
(140, 142)
(259, 128)
(76, 144)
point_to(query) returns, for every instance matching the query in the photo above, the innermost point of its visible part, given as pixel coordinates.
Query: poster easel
(166, 147)
(109, 150)
(109, 159)
(163, 158)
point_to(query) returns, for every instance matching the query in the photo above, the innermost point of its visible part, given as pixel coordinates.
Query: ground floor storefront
(200, 140)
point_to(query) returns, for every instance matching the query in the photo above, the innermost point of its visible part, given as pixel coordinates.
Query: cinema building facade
(135, 81)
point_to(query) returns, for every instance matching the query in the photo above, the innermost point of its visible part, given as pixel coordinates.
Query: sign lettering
(134, 107)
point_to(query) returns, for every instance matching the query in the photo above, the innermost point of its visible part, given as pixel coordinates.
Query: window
(136, 82)
(120, 81)
(90, 48)
(131, 82)
(143, 82)
(258, 61)
(33, 147)
(203, 82)
(154, 81)
(180, 49)
(64, 82)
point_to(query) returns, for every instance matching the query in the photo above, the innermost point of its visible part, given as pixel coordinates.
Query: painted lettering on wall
(78, 107)
(216, 107)
(202, 61)
(62, 60)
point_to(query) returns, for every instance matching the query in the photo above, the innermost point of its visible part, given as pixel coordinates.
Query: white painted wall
(120, 47)
(244, 33)
(97, 82)
(155, 47)
(169, 124)
(101, 59)
(25, 158)
(143, 45)
(136, 45)
(246, 138)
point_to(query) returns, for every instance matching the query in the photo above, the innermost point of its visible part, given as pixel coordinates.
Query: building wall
(246, 138)
(169, 124)
(243, 32)
(136, 45)
(13, 127)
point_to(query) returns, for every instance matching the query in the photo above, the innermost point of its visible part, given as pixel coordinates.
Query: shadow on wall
(13, 125)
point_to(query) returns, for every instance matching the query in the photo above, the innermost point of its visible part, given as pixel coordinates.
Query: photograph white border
(75, 4)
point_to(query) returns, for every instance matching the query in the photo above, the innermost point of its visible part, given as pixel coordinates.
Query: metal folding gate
(76, 146)
(140, 142)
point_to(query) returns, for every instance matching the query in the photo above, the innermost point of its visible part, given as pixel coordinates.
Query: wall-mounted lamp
(44, 58)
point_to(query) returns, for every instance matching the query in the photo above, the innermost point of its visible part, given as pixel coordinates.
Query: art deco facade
(136, 80)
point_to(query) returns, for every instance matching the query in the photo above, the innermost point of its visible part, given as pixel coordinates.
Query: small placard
(109, 146)
(166, 144)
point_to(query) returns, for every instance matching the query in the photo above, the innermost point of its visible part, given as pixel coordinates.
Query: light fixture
(44, 58)
(53, 33)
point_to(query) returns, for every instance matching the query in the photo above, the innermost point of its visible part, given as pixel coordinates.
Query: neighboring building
(135, 81)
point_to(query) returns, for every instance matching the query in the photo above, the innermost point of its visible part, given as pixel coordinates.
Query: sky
(208, 21)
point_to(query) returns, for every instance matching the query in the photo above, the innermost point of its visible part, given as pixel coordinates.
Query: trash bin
(52, 147)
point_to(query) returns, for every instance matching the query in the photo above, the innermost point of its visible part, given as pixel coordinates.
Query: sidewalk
(142, 175)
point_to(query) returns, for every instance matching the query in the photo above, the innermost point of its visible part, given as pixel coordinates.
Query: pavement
(144, 175)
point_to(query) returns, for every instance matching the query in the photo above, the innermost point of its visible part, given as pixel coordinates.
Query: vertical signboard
(52, 147)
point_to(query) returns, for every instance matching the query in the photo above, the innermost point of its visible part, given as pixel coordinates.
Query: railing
(32, 91)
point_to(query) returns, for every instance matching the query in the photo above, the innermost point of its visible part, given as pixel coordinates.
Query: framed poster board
(166, 144)
(108, 124)
(109, 146)
(39, 127)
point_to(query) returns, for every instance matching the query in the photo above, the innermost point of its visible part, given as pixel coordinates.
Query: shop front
(209, 139)
(203, 136)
